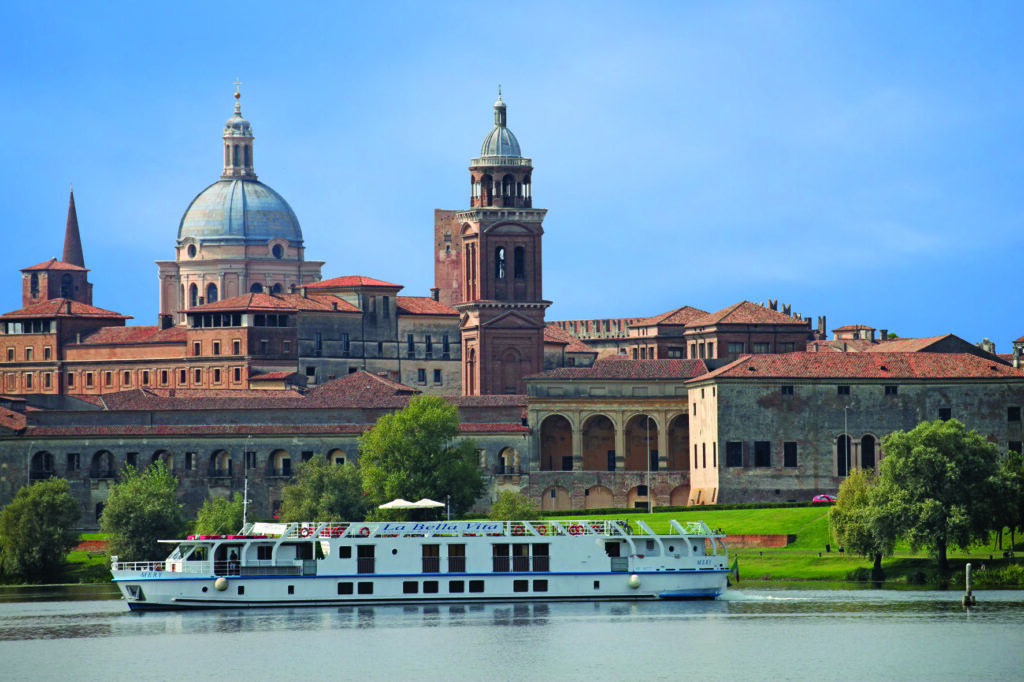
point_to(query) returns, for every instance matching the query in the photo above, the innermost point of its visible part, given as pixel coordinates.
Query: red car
(824, 498)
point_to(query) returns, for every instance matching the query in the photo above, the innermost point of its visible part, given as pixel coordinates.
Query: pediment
(512, 320)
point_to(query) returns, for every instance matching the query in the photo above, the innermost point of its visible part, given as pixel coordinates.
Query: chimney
(1016, 357)
(304, 291)
(435, 294)
(165, 321)
(884, 335)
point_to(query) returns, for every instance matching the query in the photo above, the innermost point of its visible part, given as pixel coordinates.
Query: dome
(500, 142)
(239, 209)
(238, 126)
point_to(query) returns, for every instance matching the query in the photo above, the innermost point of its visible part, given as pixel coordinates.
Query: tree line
(939, 487)
(413, 453)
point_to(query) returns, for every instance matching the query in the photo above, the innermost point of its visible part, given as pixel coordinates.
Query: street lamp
(846, 432)
(650, 499)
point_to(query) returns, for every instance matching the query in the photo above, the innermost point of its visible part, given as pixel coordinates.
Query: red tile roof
(853, 328)
(277, 303)
(865, 366)
(360, 389)
(54, 264)
(556, 335)
(840, 345)
(351, 281)
(58, 307)
(624, 368)
(684, 315)
(11, 419)
(423, 305)
(271, 376)
(908, 345)
(137, 334)
(746, 312)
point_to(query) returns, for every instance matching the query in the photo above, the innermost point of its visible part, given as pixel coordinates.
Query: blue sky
(857, 160)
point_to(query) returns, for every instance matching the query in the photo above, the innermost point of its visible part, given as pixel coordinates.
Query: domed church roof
(500, 141)
(238, 208)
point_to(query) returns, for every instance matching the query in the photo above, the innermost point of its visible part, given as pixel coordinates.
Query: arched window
(843, 456)
(277, 288)
(211, 293)
(248, 157)
(256, 288)
(508, 185)
(487, 184)
(227, 155)
(499, 262)
(33, 285)
(234, 156)
(519, 262)
(867, 453)
(193, 295)
(67, 286)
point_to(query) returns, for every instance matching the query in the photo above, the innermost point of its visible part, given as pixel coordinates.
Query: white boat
(328, 563)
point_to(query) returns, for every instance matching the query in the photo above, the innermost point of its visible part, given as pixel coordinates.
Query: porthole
(394, 551)
(205, 589)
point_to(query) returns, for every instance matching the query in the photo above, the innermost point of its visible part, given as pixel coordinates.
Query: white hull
(547, 561)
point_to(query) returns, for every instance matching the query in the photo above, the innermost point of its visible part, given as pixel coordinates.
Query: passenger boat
(318, 564)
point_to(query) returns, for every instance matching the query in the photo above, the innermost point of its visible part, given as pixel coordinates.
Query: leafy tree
(417, 453)
(220, 515)
(1010, 507)
(37, 530)
(940, 481)
(142, 509)
(861, 521)
(322, 491)
(512, 506)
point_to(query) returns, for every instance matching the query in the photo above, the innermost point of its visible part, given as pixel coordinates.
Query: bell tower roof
(72, 239)
(238, 147)
(500, 142)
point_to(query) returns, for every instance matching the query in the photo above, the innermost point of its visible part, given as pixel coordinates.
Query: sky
(862, 161)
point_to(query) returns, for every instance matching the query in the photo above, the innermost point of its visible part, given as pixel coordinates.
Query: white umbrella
(399, 504)
(426, 503)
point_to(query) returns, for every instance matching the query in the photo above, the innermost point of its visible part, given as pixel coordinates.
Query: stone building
(786, 427)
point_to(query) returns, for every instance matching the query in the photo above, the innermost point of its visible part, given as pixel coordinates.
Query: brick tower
(499, 298)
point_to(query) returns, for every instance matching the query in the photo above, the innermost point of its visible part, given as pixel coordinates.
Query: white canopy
(426, 503)
(399, 504)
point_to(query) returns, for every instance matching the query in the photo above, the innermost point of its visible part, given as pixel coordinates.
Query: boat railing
(136, 566)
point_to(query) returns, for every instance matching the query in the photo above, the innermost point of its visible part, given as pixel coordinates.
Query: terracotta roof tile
(54, 264)
(11, 419)
(278, 302)
(746, 312)
(272, 376)
(423, 305)
(908, 345)
(865, 366)
(556, 335)
(853, 328)
(684, 315)
(623, 368)
(351, 281)
(137, 334)
(58, 307)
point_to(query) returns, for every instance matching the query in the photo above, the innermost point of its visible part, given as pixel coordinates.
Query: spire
(72, 240)
(499, 111)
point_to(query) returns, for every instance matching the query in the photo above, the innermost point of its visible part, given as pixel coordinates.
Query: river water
(746, 635)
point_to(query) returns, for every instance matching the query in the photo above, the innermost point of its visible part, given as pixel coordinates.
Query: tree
(940, 481)
(417, 453)
(37, 528)
(861, 521)
(142, 509)
(1010, 508)
(513, 507)
(220, 515)
(322, 491)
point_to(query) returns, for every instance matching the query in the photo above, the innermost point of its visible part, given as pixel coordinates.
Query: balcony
(285, 472)
(431, 564)
(101, 474)
(213, 472)
(40, 474)
(365, 565)
(506, 470)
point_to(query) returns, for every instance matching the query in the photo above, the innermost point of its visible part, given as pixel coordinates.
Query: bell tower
(500, 298)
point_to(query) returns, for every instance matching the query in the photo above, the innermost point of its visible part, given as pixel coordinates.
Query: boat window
(344, 588)
(344, 551)
(410, 587)
(429, 587)
(612, 549)
(197, 554)
(456, 586)
(366, 588)
(520, 585)
(540, 585)
(456, 558)
(264, 552)
(476, 585)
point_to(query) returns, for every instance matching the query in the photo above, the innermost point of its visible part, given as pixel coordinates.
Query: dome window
(278, 251)
(191, 250)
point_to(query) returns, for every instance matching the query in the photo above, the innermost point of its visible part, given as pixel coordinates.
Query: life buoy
(364, 532)
(518, 530)
(543, 530)
(575, 529)
(305, 532)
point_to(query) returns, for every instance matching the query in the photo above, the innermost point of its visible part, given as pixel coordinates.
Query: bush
(859, 575)
(37, 527)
